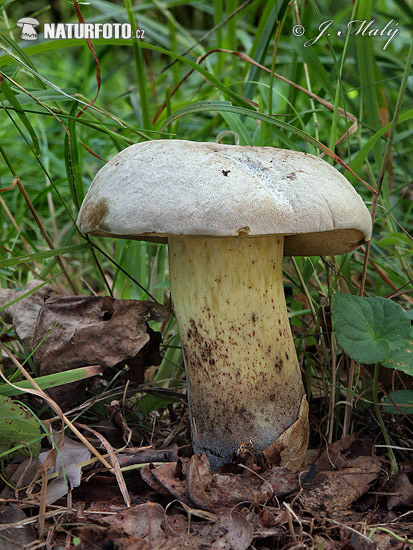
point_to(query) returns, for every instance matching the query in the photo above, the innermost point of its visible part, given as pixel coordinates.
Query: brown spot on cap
(94, 215)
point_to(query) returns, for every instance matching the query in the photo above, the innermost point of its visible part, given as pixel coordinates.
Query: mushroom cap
(156, 189)
(27, 21)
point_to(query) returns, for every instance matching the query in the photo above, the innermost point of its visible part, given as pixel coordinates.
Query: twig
(115, 463)
(290, 513)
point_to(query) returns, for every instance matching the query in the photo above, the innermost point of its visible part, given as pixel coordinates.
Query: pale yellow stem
(244, 380)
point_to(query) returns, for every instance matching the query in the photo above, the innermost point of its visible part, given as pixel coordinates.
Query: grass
(67, 107)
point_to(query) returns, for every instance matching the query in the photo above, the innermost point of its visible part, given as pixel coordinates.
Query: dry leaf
(384, 542)
(92, 330)
(78, 331)
(325, 544)
(340, 476)
(175, 532)
(143, 521)
(238, 533)
(98, 538)
(197, 485)
(228, 532)
(70, 454)
(23, 314)
(359, 542)
(168, 476)
(147, 477)
(213, 491)
(14, 538)
(404, 488)
(289, 449)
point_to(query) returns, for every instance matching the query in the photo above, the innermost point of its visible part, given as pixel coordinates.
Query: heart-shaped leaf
(369, 329)
(402, 359)
(403, 399)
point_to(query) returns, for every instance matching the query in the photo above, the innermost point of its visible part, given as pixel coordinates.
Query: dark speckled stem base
(244, 380)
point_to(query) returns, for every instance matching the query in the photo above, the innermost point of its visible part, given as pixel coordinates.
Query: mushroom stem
(244, 380)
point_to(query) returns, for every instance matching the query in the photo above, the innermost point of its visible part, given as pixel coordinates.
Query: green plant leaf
(309, 265)
(395, 239)
(369, 329)
(18, 426)
(51, 380)
(13, 101)
(272, 14)
(152, 402)
(43, 96)
(368, 72)
(362, 154)
(312, 59)
(225, 106)
(409, 314)
(46, 254)
(402, 398)
(402, 359)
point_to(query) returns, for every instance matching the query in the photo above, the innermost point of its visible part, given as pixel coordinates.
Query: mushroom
(229, 214)
(28, 31)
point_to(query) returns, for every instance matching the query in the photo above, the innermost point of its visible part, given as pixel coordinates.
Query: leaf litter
(66, 332)
(176, 501)
(66, 468)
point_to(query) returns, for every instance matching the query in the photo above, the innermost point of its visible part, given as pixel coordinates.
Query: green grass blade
(272, 13)
(366, 65)
(140, 69)
(46, 254)
(51, 380)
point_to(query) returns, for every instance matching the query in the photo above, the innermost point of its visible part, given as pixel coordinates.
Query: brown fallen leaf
(404, 488)
(167, 532)
(143, 521)
(195, 484)
(23, 314)
(70, 454)
(322, 542)
(208, 490)
(148, 478)
(266, 522)
(169, 476)
(385, 542)
(289, 449)
(78, 331)
(98, 538)
(14, 537)
(227, 532)
(360, 542)
(339, 477)
(238, 533)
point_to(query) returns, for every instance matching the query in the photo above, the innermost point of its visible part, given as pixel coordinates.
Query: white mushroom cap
(156, 189)
(27, 21)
